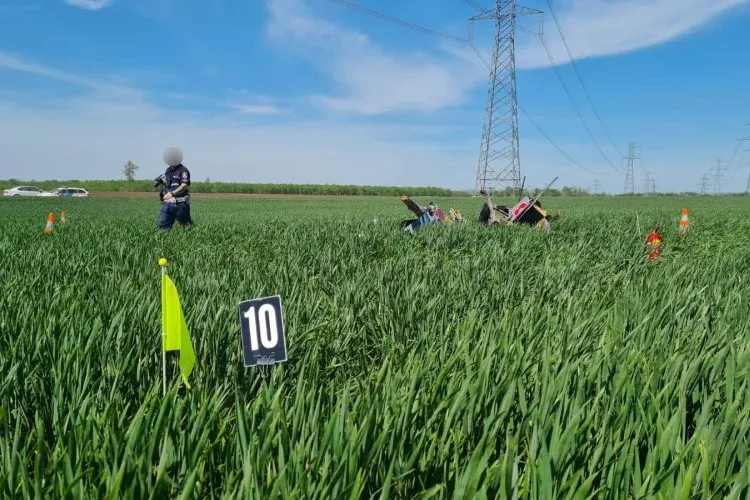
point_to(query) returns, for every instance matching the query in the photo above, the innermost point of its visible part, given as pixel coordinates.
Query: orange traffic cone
(50, 223)
(684, 221)
(63, 218)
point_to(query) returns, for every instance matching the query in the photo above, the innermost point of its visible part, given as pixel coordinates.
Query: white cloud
(89, 4)
(92, 139)
(128, 96)
(12, 62)
(595, 28)
(372, 81)
(91, 136)
(242, 102)
(255, 109)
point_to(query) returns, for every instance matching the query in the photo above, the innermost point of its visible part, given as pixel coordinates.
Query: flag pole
(163, 264)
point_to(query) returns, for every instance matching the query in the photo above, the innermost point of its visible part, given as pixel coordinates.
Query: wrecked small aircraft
(427, 215)
(526, 211)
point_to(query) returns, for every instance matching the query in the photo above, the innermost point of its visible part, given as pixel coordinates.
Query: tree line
(208, 186)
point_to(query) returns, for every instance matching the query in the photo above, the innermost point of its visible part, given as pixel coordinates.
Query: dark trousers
(174, 211)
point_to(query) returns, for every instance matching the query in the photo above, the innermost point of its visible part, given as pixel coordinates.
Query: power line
(549, 139)
(704, 185)
(499, 151)
(629, 177)
(580, 78)
(734, 155)
(740, 142)
(489, 14)
(572, 101)
(717, 179)
(562, 81)
(471, 3)
(546, 136)
(578, 73)
(400, 22)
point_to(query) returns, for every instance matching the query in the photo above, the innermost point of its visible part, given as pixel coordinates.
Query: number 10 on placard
(266, 321)
(263, 337)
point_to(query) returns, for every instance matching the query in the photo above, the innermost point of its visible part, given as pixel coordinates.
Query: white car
(68, 192)
(23, 191)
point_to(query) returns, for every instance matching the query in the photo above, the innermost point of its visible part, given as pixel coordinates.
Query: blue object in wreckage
(427, 218)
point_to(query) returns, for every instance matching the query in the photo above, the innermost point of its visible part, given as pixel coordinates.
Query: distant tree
(129, 171)
(573, 191)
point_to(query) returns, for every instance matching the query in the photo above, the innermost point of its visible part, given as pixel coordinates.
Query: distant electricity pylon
(718, 169)
(647, 182)
(746, 138)
(704, 185)
(742, 141)
(629, 178)
(596, 186)
(499, 157)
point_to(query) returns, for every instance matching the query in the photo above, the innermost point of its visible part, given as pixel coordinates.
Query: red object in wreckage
(653, 242)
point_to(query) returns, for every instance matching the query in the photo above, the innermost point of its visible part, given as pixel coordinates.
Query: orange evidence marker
(63, 218)
(50, 223)
(684, 221)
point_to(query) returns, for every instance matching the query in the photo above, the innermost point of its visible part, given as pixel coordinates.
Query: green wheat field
(458, 362)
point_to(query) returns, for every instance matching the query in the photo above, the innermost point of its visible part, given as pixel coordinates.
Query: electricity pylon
(499, 156)
(704, 185)
(629, 176)
(717, 176)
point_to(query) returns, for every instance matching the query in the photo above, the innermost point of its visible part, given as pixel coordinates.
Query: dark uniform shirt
(175, 177)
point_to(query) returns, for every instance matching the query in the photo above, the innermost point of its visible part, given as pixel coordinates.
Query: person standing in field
(175, 203)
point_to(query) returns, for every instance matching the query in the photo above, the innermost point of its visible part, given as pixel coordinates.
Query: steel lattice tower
(742, 140)
(499, 157)
(647, 182)
(718, 169)
(704, 185)
(629, 176)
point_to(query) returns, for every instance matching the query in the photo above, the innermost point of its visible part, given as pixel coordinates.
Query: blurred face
(172, 156)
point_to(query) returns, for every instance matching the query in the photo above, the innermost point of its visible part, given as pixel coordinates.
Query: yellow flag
(175, 334)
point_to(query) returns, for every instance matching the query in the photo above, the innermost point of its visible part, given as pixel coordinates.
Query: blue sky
(310, 91)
